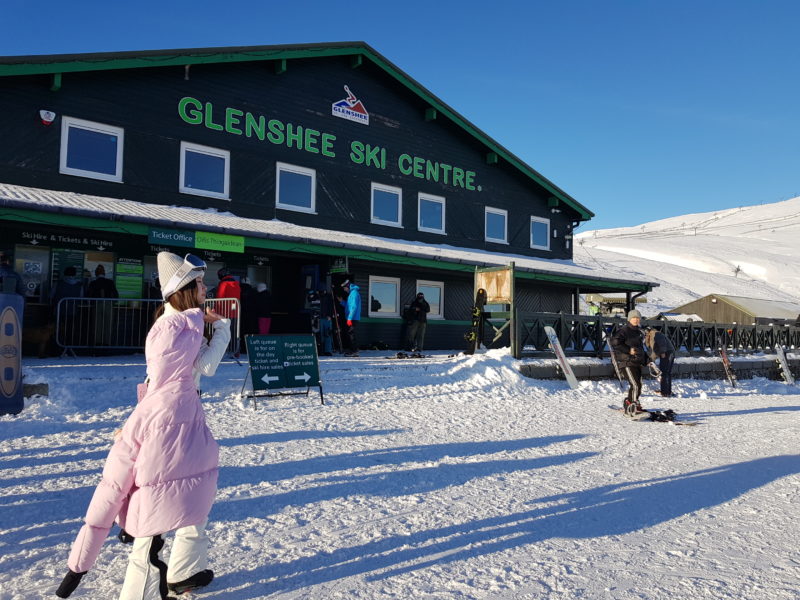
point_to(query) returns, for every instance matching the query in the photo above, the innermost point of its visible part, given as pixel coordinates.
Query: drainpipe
(631, 300)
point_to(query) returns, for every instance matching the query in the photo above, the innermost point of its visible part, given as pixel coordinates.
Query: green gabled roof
(71, 63)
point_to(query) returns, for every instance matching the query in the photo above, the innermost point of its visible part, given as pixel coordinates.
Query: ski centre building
(295, 166)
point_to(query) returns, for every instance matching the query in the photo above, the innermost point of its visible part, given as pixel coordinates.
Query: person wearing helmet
(161, 472)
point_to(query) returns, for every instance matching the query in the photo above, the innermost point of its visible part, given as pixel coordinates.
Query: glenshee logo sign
(351, 108)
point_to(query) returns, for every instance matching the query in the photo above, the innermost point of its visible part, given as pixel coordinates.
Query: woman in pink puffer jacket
(161, 473)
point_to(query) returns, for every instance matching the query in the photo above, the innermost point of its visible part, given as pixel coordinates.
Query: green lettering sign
(209, 118)
(275, 134)
(327, 145)
(190, 111)
(458, 177)
(419, 163)
(275, 131)
(357, 152)
(232, 119)
(311, 141)
(445, 173)
(219, 241)
(469, 181)
(253, 125)
(404, 164)
(294, 136)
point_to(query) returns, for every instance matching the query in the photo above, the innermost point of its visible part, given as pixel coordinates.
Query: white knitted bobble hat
(168, 265)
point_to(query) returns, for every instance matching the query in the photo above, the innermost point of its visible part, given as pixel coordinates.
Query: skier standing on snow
(659, 346)
(352, 316)
(628, 345)
(161, 472)
(419, 310)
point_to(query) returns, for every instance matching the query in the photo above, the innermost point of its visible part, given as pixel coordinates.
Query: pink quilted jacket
(161, 472)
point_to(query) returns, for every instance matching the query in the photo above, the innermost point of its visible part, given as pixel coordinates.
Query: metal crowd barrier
(115, 324)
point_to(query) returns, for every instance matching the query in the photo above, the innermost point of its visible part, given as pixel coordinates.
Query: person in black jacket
(263, 308)
(418, 312)
(628, 345)
(659, 346)
(249, 314)
(10, 281)
(102, 287)
(68, 286)
(326, 324)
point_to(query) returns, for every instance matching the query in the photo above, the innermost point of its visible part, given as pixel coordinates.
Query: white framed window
(91, 149)
(430, 211)
(496, 225)
(205, 171)
(434, 295)
(540, 233)
(384, 296)
(386, 205)
(295, 188)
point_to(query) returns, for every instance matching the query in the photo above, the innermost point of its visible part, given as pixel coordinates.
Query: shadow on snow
(607, 510)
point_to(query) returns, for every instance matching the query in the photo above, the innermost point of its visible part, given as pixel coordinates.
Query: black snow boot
(201, 579)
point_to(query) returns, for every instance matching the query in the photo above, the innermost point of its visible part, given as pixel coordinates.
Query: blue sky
(640, 110)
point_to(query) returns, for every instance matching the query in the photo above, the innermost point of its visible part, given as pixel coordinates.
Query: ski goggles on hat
(181, 276)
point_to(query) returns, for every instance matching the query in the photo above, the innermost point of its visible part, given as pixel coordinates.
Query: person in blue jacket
(352, 305)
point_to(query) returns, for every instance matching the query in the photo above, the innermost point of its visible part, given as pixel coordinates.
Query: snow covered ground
(457, 478)
(441, 478)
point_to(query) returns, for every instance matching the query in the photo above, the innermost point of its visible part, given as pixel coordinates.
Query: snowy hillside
(750, 251)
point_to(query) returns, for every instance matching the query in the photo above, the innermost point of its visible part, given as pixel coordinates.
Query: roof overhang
(50, 207)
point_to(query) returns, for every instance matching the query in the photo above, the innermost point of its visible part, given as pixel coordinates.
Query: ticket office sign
(282, 361)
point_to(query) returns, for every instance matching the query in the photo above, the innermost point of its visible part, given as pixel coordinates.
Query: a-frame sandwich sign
(282, 362)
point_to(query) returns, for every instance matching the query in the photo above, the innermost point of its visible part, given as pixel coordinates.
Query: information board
(129, 277)
(63, 258)
(282, 361)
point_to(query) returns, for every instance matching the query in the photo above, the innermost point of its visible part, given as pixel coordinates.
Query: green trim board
(51, 218)
(575, 280)
(66, 63)
(143, 229)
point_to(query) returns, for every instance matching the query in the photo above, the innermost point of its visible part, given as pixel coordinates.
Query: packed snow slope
(440, 478)
(751, 251)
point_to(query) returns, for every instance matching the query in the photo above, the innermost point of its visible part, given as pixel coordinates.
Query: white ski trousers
(147, 575)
